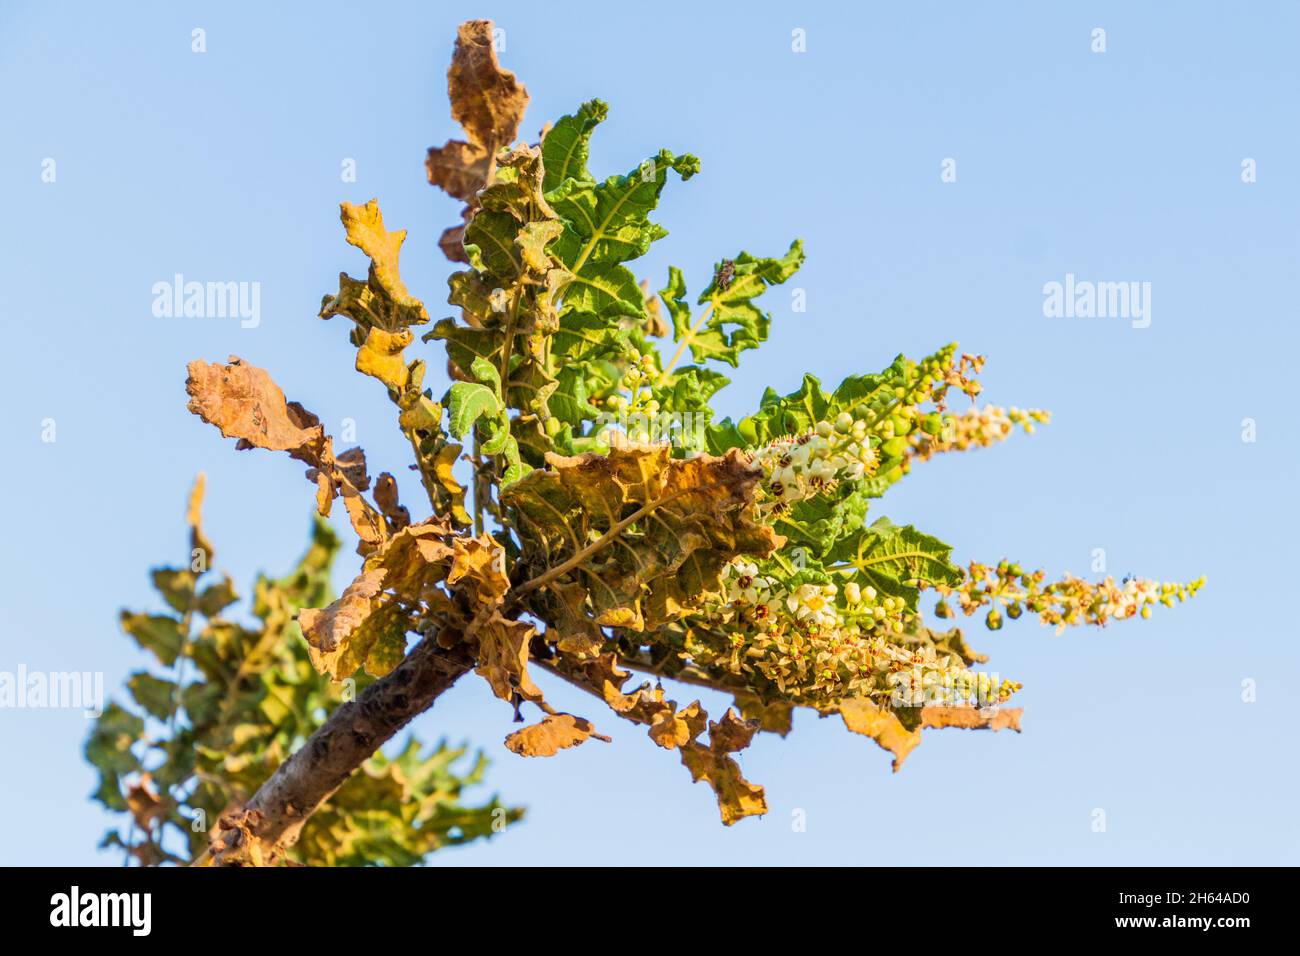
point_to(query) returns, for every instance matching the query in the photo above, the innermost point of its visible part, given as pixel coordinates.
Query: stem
(478, 486)
(420, 466)
(275, 814)
(686, 340)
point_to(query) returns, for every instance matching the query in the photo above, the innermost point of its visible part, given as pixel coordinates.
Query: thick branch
(275, 815)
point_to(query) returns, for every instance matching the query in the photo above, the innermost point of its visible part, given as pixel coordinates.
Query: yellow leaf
(479, 565)
(442, 466)
(194, 518)
(380, 356)
(503, 658)
(365, 230)
(556, 732)
(972, 718)
(863, 717)
(672, 730)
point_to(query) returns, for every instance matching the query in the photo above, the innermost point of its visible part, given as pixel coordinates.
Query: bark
(271, 820)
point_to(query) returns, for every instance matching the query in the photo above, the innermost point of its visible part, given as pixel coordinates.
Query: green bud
(895, 447)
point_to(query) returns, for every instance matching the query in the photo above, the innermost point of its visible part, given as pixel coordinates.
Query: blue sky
(1117, 166)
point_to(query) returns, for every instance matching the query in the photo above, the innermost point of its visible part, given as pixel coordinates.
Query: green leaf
(108, 748)
(157, 633)
(567, 143)
(609, 222)
(487, 373)
(606, 223)
(819, 522)
(216, 598)
(152, 693)
(730, 322)
(469, 402)
(891, 558)
(176, 585)
(570, 401)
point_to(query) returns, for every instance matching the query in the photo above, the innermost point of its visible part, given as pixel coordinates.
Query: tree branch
(273, 818)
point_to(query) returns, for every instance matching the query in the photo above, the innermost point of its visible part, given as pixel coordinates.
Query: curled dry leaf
(503, 658)
(395, 514)
(360, 629)
(423, 571)
(883, 726)
(973, 718)
(732, 734)
(714, 764)
(244, 403)
(144, 804)
(672, 729)
(489, 104)
(367, 625)
(556, 732)
(864, 717)
(677, 523)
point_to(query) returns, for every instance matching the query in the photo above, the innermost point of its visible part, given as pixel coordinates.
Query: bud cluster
(974, 428)
(1069, 601)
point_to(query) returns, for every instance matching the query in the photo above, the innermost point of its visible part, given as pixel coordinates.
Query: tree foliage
(227, 700)
(588, 518)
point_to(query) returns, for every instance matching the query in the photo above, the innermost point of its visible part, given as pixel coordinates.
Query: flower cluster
(974, 428)
(926, 678)
(819, 642)
(1068, 601)
(796, 467)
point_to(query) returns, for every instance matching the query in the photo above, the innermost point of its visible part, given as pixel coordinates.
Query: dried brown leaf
(244, 403)
(647, 535)
(972, 718)
(737, 797)
(503, 658)
(489, 104)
